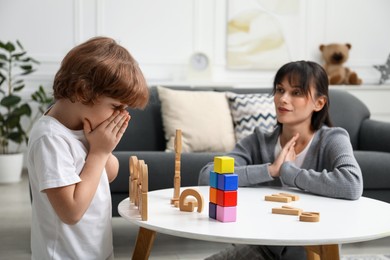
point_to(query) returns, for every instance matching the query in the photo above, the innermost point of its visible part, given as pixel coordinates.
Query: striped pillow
(251, 110)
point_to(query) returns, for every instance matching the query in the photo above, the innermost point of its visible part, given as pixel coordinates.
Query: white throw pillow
(250, 111)
(203, 116)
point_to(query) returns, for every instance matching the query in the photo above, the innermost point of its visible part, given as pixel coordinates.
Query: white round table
(341, 221)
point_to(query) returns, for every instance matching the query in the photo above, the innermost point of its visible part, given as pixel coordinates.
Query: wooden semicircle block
(189, 206)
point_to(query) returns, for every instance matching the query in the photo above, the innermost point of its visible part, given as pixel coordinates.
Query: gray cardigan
(329, 168)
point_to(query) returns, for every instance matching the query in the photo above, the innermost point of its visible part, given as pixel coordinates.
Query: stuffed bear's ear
(348, 45)
(322, 47)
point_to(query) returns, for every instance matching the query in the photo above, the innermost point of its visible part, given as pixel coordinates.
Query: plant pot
(11, 166)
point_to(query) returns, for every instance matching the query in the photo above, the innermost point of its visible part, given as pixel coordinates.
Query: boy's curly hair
(101, 67)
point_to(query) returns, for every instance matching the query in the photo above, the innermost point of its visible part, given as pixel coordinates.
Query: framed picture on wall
(261, 34)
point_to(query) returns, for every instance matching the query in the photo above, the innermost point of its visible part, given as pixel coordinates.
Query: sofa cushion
(348, 112)
(373, 165)
(251, 110)
(145, 131)
(203, 116)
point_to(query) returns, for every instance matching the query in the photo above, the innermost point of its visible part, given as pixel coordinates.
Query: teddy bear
(334, 56)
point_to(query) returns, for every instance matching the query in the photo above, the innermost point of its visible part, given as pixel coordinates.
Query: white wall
(163, 34)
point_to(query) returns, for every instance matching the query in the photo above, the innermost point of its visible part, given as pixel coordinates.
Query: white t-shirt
(56, 156)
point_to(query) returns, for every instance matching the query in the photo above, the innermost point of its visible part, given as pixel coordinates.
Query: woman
(304, 151)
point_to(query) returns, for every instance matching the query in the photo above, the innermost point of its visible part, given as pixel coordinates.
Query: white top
(299, 158)
(56, 156)
(341, 221)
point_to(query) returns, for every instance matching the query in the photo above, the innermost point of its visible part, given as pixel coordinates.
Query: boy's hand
(105, 137)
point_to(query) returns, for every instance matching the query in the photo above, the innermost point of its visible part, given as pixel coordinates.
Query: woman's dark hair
(305, 74)
(101, 67)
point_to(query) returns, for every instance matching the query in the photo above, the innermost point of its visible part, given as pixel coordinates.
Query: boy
(70, 160)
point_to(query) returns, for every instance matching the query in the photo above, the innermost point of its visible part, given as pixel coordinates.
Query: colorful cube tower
(223, 190)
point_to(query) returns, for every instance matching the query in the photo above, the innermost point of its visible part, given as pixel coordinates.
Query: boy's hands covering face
(105, 137)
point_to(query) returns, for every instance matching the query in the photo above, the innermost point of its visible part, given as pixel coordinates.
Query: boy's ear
(320, 103)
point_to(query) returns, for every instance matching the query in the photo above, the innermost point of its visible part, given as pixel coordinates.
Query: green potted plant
(16, 116)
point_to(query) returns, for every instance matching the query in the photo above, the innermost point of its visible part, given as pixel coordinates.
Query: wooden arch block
(190, 205)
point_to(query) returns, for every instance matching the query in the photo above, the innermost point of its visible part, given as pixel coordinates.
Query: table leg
(144, 244)
(322, 252)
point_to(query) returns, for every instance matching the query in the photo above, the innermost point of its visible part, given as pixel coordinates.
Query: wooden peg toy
(139, 186)
(138, 182)
(177, 180)
(133, 167)
(309, 217)
(144, 193)
(185, 205)
(287, 210)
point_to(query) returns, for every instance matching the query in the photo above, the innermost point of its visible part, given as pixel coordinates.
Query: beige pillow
(203, 117)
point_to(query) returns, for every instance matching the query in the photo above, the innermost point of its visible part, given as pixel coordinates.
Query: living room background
(163, 35)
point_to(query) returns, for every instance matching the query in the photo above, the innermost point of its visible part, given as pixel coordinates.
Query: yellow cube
(223, 164)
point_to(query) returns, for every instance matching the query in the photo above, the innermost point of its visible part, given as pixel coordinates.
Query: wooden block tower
(223, 190)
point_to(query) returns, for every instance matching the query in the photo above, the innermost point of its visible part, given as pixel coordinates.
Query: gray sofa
(145, 138)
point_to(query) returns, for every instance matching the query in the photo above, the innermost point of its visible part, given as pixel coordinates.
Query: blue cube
(213, 179)
(227, 181)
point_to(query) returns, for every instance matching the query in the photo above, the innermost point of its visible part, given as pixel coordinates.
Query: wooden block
(227, 181)
(134, 190)
(190, 206)
(212, 210)
(145, 179)
(176, 189)
(177, 164)
(223, 164)
(292, 196)
(130, 190)
(138, 185)
(287, 210)
(277, 198)
(175, 202)
(141, 174)
(191, 201)
(309, 217)
(227, 198)
(133, 164)
(138, 197)
(214, 179)
(177, 180)
(213, 195)
(133, 161)
(226, 214)
(178, 141)
(144, 208)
